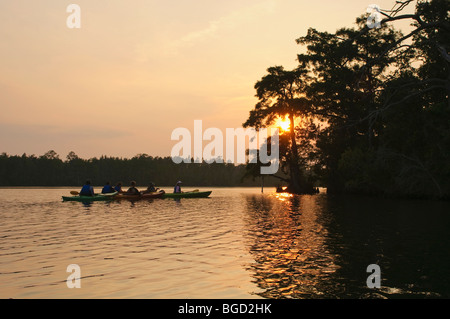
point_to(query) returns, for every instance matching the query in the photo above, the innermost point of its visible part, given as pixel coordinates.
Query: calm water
(238, 243)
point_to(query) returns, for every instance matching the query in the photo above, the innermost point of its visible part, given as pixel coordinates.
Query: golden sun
(283, 124)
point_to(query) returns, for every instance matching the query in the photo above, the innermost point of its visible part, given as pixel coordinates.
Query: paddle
(74, 193)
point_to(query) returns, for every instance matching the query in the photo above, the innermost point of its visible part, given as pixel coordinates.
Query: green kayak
(187, 195)
(98, 197)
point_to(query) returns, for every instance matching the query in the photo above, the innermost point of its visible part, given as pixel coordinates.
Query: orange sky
(136, 70)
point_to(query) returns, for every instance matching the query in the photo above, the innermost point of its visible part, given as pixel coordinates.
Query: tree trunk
(294, 171)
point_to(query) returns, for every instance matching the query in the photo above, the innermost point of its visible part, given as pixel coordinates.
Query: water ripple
(237, 244)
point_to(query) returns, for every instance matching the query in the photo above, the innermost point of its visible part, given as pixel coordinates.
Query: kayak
(97, 197)
(141, 196)
(187, 195)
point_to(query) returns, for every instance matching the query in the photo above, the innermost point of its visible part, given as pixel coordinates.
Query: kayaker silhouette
(177, 188)
(133, 190)
(87, 189)
(150, 189)
(107, 189)
(118, 187)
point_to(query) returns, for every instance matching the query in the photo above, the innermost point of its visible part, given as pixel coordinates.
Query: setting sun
(284, 124)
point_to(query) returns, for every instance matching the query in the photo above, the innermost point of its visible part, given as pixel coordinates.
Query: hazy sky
(136, 70)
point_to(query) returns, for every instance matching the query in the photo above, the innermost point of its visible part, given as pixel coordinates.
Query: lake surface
(238, 243)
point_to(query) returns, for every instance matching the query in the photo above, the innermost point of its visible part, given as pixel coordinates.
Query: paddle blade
(74, 193)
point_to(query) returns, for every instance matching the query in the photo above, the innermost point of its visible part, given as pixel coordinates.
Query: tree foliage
(378, 101)
(50, 170)
(281, 94)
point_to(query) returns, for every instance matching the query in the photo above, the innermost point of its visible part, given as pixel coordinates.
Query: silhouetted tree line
(50, 170)
(369, 107)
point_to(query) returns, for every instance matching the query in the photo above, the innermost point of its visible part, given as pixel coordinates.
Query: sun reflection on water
(288, 244)
(283, 196)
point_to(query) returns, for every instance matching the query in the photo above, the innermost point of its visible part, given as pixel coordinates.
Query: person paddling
(177, 188)
(133, 190)
(150, 189)
(107, 189)
(87, 189)
(118, 187)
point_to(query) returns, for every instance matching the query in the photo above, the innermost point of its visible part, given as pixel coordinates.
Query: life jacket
(177, 189)
(107, 189)
(86, 190)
